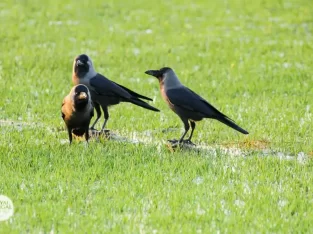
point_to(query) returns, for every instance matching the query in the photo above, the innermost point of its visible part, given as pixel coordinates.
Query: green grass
(251, 59)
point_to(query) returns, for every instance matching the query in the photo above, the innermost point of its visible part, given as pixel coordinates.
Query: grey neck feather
(91, 73)
(171, 81)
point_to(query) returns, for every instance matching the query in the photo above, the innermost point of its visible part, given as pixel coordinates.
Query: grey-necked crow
(188, 105)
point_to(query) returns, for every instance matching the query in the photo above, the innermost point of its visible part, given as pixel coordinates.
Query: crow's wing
(189, 100)
(105, 87)
(134, 94)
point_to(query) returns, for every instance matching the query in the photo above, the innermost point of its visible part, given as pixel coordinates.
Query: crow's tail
(143, 104)
(231, 124)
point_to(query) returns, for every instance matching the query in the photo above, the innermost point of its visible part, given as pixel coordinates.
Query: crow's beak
(155, 73)
(82, 95)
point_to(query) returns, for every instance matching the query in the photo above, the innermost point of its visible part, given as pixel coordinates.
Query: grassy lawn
(253, 60)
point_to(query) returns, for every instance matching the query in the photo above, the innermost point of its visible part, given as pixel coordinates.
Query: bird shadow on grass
(246, 147)
(105, 135)
(213, 149)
